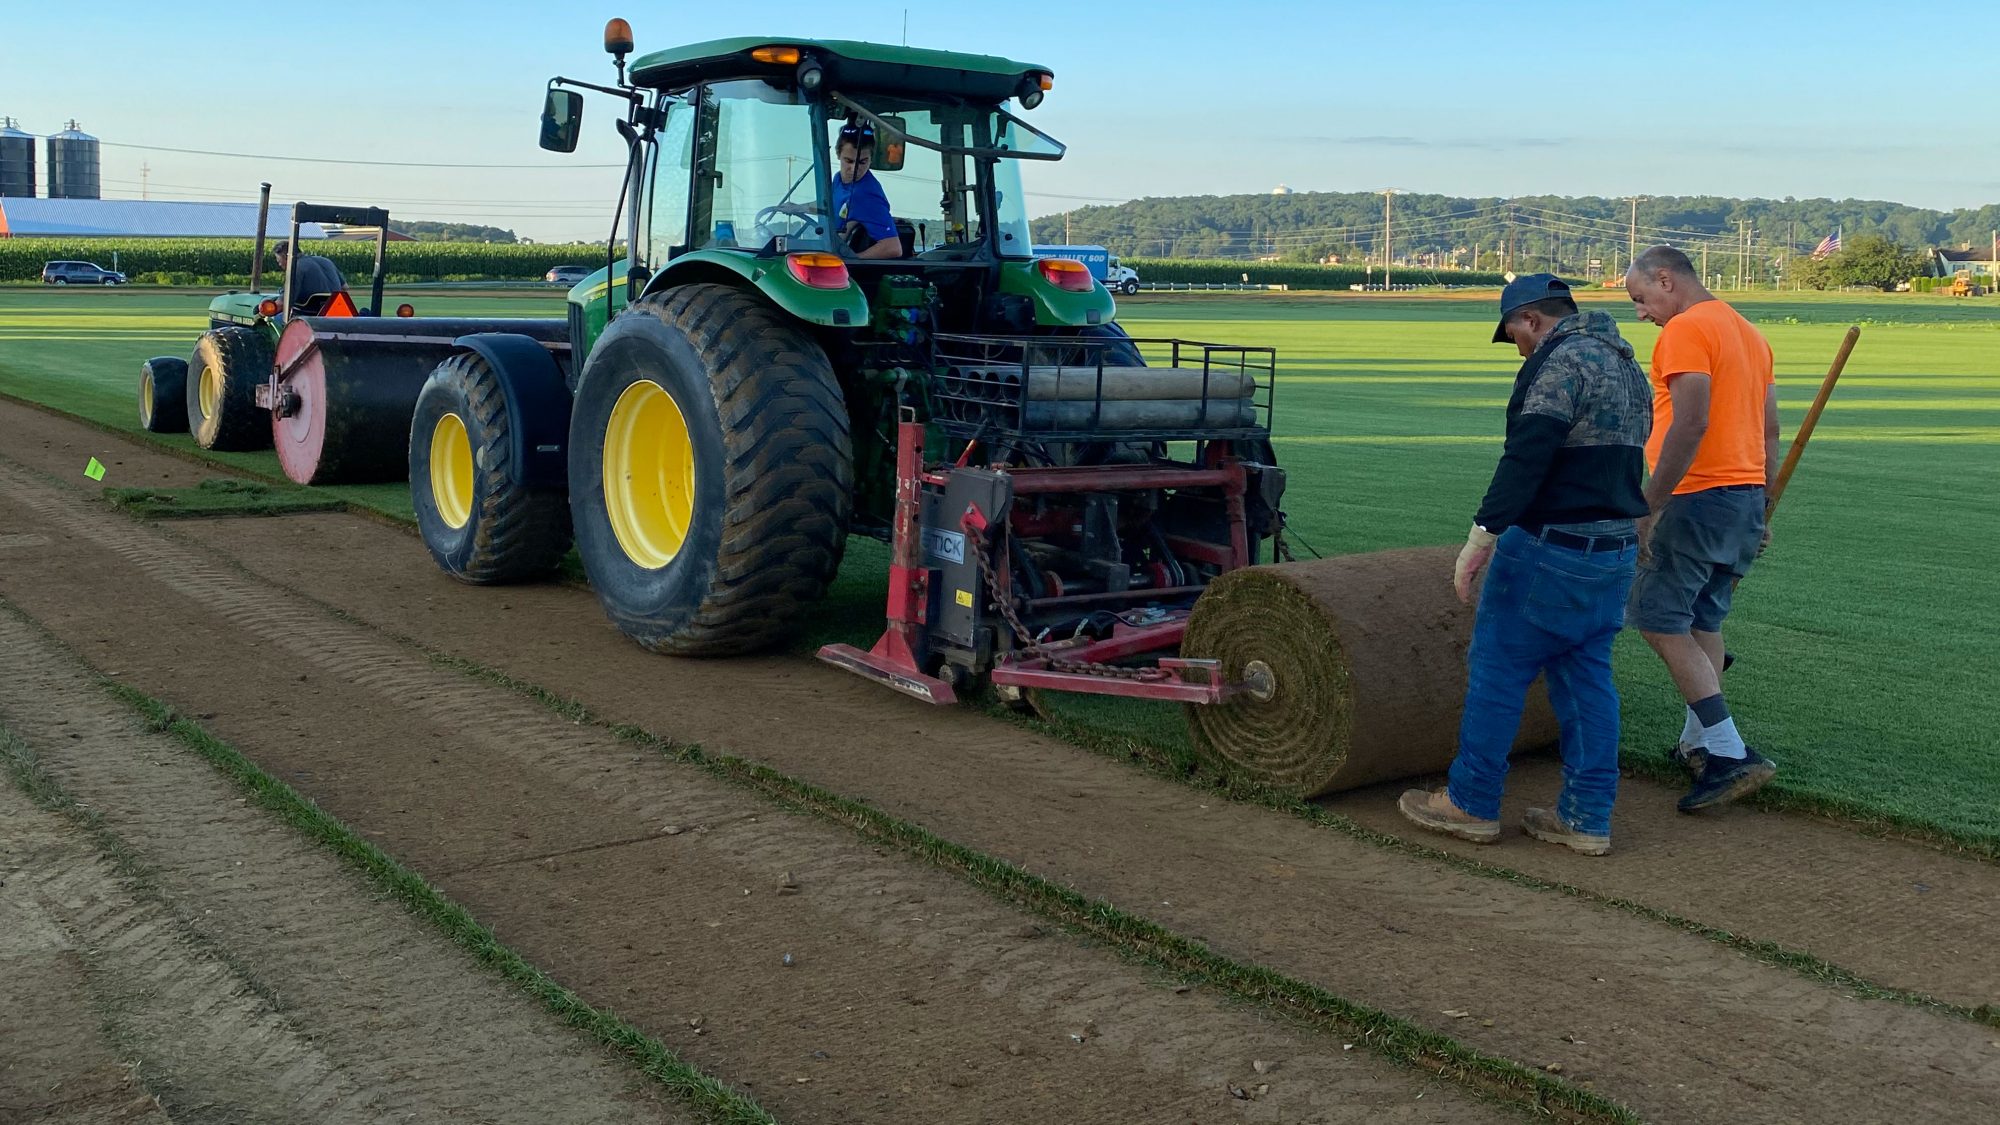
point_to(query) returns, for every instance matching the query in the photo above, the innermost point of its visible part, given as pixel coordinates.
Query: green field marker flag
(94, 470)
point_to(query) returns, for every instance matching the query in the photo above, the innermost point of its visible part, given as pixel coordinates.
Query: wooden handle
(1812, 419)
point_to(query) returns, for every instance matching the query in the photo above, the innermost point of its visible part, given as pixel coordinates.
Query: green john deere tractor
(744, 388)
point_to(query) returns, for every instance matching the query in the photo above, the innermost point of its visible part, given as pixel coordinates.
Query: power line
(366, 163)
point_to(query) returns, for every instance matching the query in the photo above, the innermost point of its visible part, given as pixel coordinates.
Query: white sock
(1691, 734)
(1722, 741)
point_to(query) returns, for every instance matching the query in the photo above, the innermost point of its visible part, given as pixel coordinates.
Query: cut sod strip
(220, 497)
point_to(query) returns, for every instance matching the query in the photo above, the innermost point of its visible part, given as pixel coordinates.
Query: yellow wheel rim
(451, 471)
(146, 398)
(211, 391)
(649, 475)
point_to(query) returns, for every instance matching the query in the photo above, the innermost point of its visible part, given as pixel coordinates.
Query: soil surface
(175, 955)
(442, 769)
(834, 982)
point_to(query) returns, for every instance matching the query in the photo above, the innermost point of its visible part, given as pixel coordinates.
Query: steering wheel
(787, 220)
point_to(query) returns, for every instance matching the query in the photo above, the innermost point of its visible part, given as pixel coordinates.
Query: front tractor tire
(479, 524)
(711, 472)
(222, 379)
(163, 395)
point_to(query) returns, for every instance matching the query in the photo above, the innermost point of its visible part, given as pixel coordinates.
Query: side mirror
(889, 145)
(562, 120)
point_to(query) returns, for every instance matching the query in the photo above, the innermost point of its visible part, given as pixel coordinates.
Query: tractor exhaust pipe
(263, 217)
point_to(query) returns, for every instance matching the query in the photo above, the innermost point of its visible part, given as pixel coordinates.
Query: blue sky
(1170, 98)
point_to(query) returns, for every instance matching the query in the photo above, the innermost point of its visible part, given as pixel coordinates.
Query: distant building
(136, 218)
(1282, 189)
(1947, 263)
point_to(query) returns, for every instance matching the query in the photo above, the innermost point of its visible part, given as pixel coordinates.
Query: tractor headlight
(810, 76)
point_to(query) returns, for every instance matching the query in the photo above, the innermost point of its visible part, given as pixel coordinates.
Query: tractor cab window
(672, 158)
(934, 195)
(1010, 202)
(930, 196)
(756, 175)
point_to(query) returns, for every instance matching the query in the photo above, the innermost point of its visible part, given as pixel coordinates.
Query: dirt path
(1672, 1023)
(56, 1063)
(655, 890)
(248, 976)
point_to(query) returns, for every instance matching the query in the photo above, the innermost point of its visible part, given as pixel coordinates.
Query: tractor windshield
(757, 176)
(744, 164)
(934, 185)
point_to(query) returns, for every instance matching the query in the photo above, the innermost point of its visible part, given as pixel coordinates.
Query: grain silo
(17, 161)
(73, 170)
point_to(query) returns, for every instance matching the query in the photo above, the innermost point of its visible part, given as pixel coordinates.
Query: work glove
(1477, 550)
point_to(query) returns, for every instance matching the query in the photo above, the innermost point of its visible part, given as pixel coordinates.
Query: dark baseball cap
(1526, 290)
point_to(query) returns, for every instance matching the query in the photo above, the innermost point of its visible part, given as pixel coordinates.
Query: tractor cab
(735, 159)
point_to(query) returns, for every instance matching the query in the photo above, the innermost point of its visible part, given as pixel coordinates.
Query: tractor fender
(537, 403)
(832, 308)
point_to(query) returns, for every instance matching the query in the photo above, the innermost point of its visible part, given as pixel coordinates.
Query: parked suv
(567, 275)
(79, 273)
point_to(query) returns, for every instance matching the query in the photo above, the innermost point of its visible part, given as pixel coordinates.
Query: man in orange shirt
(1713, 451)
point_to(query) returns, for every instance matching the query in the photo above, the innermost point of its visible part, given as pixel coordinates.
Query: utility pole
(1387, 195)
(1704, 262)
(1632, 234)
(145, 175)
(1068, 239)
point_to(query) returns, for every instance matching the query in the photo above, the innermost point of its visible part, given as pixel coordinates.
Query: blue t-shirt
(864, 202)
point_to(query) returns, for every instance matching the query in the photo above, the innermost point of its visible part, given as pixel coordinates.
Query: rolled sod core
(1366, 671)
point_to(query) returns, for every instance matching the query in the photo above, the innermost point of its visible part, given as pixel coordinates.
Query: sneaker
(1689, 758)
(1434, 810)
(1722, 780)
(1544, 824)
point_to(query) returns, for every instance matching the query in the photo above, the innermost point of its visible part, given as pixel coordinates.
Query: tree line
(1564, 233)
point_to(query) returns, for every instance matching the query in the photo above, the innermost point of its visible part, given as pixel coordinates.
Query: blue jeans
(1553, 610)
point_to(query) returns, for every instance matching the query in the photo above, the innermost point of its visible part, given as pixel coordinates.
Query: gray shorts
(1702, 543)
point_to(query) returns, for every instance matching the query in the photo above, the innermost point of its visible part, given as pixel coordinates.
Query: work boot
(1722, 780)
(1435, 811)
(1544, 824)
(1689, 758)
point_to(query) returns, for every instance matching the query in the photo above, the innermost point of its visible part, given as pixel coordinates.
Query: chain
(1004, 599)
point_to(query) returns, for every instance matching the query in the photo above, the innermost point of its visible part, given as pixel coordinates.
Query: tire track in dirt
(1602, 992)
(924, 998)
(57, 1065)
(251, 975)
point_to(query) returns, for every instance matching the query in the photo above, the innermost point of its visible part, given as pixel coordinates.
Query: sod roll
(1367, 666)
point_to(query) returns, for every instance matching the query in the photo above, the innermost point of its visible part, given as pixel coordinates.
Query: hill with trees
(1561, 233)
(453, 232)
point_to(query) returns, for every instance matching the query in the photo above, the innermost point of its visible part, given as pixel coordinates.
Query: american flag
(1828, 245)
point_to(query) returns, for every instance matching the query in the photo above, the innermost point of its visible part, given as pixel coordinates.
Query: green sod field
(1865, 638)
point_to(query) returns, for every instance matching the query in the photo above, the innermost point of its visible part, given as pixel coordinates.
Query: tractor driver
(315, 275)
(860, 207)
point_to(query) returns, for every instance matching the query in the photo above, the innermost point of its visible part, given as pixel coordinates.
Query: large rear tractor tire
(222, 379)
(480, 526)
(163, 395)
(711, 472)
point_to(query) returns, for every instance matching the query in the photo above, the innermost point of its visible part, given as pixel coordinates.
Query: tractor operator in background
(315, 275)
(860, 206)
(1557, 525)
(1713, 451)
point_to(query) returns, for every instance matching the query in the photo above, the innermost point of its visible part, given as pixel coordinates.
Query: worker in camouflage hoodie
(1556, 536)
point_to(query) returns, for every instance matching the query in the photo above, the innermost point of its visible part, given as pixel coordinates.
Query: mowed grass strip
(714, 1100)
(1862, 637)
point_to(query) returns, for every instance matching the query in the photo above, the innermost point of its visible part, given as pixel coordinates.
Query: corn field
(217, 261)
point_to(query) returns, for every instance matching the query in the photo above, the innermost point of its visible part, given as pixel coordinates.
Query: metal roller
(344, 388)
